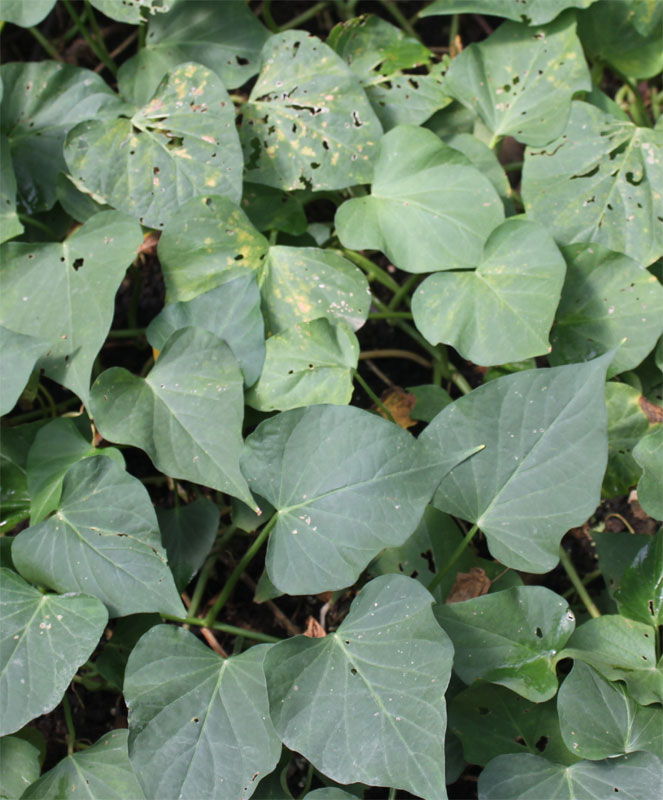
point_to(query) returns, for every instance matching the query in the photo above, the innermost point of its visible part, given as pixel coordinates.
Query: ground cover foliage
(331, 357)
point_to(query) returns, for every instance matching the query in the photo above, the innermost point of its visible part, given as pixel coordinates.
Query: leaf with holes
(307, 123)
(597, 183)
(45, 639)
(429, 208)
(131, 10)
(198, 724)
(183, 140)
(186, 414)
(391, 662)
(640, 591)
(104, 539)
(64, 293)
(503, 310)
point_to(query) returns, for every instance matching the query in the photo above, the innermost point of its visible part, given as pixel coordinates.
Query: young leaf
(615, 724)
(503, 310)
(640, 591)
(307, 123)
(491, 720)
(511, 638)
(531, 12)
(20, 762)
(647, 453)
(596, 183)
(380, 679)
(20, 353)
(541, 471)
(429, 208)
(45, 639)
(231, 311)
(311, 362)
(523, 776)
(520, 80)
(198, 724)
(102, 770)
(104, 539)
(184, 139)
(64, 293)
(606, 297)
(186, 414)
(345, 484)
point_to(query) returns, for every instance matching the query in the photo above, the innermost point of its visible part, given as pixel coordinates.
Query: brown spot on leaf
(653, 412)
(468, 585)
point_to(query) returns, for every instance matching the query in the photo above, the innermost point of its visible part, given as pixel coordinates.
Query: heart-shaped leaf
(616, 724)
(104, 538)
(520, 80)
(20, 764)
(640, 591)
(510, 637)
(186, 414)
(503, 310)
(541, 471)
(597, 183)
(198, 724)
(311, 362)
(345, 484)
(64, 293)
(45, 639)
(647, 453)
(380, 678)
(25, 14)
(184, 139)
(231, 311)
(20, 353)
(531, 12)
(306, 127)
(102, 770)
(429, 208)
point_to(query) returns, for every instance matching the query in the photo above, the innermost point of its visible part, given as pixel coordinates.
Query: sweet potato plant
(331, 374)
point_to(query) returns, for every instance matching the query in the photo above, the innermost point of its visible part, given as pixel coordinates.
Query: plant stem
(69, 721)
(267, 16)
(49, 399)
(586, 580)
(583, 594)
(305, 15)
(96, 48)
(223, 598)
(232, 630)
(371, 269)
(454, 27)
(126, 333)
(307, 783)
(514, 166)
(29, 416)
(201, 584)
(638, 109)
(424, 362)
(403, 291)
(391, 315)
(400, 18)
(457, 553)
(373, 396)
(27, 220)
(45, 44)
(12, 521)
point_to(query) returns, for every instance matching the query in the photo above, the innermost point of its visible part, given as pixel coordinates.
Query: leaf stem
(400, 18)
(45, 44)
(37, 413)
(267, 16)
(236, 574)
(586, 580)
(457, 553)
(96, 48)
(126, 333)
(424, 362)
(232, 630)
(305, 15)
(373, 396)
(583, 594)
(403, 291)
(201, 584)
(12, 521)
(372, 270)
(36, 223)
(69, 721)
(638, 109)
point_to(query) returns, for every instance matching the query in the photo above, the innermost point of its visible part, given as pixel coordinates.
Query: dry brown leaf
(400, 403)
(653, 412)
(314, 629)
(149, 243)
(468, 585)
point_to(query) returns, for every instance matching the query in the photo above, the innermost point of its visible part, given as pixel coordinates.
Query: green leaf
(597, 183)
(622, 34)
(298, 284)
(330, 793)
(511, 638)
(14, 446)
(171, 148)
(20, 353)
(112, 662)
(627, 424)
(541, 471)
(431, 399)
(104, 539)
(616, 551)
(640, 592)
(491, 720)
(79, 205)
(503, 310)
(100, 771)
(224, 37)
(408, 99)
(524, 776)
(650, 486)
(621, 650)
(272, 209)
(19, 759)
(615, 724)
(312, 362)
(42, 101)
(345, 484)
(57, 447)
(483, 158)
(429, 208)
(231, 311)
(131, 11)
(198, 724)
(45, 639)
(307, 123)
(64, 293)
(519, 81)
(188, 533)
(380, 679)
(531, 12)
(186, 414)
(10, 225)
(25, 14)
(607, 296)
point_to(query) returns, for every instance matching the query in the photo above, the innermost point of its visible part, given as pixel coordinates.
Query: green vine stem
(391, 315)
(457, 553)
(305, 16)
(97, 48)
(232, 630)
(45, 44)
(403, 292)
(372, 270)
(69, 721)
(373, 396)
(401, 19)
(583, 594)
